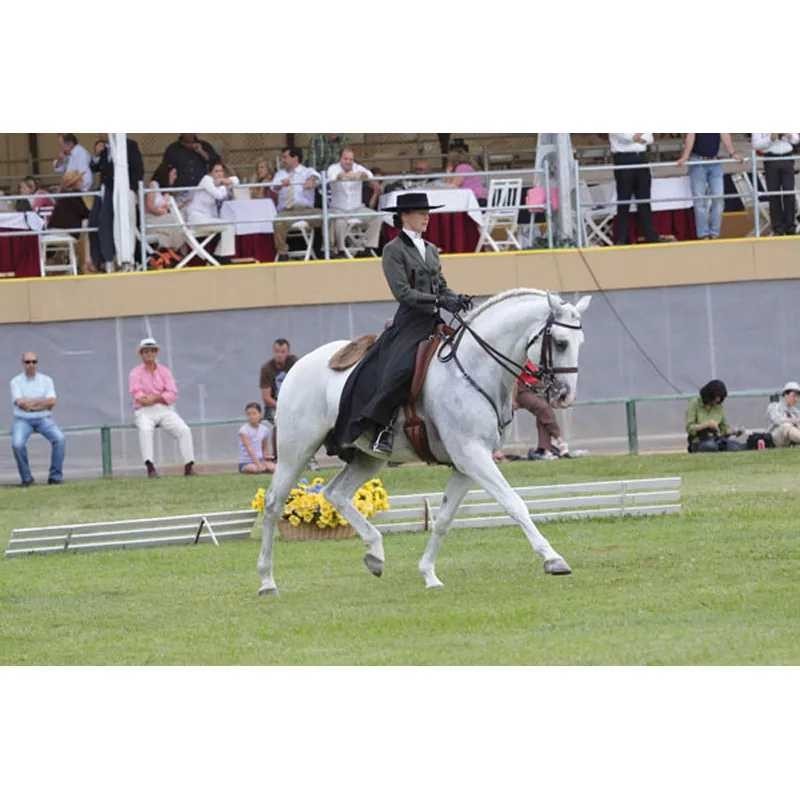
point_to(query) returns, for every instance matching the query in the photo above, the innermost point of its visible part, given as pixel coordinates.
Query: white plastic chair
(301, 230)
(57, 244)
(503, 203)
(355, 237)
(196, 247)
(744, 186)
(597, 219)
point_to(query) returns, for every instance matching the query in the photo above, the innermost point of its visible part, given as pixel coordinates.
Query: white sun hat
(792, 386)
(148, 341)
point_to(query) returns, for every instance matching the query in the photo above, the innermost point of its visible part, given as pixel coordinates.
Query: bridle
(546, 374)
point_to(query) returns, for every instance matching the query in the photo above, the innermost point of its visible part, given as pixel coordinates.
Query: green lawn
(718, 585)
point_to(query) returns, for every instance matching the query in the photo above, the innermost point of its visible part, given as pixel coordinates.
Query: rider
(380, 384)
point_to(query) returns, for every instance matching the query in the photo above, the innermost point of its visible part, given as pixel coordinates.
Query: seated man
(784, 417)
(154, 393)
(346, 181)
(34, 396)
(254, 443)
(706, 426)
(295, 184)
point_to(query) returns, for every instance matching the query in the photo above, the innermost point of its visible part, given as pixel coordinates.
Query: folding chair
(196, 247)
(57, 244)
(744, 186)
(597, 219)
(502, 214)
(355, 237)
(301, 230)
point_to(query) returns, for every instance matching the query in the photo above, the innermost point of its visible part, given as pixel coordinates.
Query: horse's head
(561, 342)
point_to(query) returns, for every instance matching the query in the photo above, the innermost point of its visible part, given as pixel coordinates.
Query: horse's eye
(561, 345)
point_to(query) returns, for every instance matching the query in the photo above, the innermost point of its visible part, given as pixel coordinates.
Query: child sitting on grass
(254, 443)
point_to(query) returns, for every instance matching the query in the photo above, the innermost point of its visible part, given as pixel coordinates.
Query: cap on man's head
(791, 386)
(148, 341)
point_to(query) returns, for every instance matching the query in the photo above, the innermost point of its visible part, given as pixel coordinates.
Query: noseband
(545, 374)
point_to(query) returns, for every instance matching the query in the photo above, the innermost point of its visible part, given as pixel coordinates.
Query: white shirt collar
(413, 235)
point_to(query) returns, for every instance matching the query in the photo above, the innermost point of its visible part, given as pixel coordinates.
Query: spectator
(295, 184)
(204, 207)
(346, 183)
(158, 212)
(154, 393)
(73, 156)
(192, 157)
(784, 417)
(706, 179)
(706, 426)
(460, 165)
(254, 437)
(104, 245)
(263, 174)
(39, 198)
(34, 397)
(324, 149)
(630, 148)
(779, 172)
(373, 190)
(420, 167)
(69, 214)
(272, 375)
(550, 445)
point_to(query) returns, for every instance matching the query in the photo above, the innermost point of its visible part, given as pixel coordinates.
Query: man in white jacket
(779, 172)
(784, 417)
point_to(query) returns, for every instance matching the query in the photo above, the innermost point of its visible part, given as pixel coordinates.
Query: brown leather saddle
(414, 425)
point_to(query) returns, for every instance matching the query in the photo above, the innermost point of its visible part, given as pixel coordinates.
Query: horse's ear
(583, 303)
(555, 302)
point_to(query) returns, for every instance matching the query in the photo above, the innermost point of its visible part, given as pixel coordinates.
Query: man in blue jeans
(706, 179)
(34, 396)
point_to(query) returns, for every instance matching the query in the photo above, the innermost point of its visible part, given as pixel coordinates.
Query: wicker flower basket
(307, 530)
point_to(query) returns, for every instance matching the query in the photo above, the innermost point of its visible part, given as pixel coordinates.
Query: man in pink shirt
(154, 393)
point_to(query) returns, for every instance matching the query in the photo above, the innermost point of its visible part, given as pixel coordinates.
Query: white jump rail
(132, 533)
(624, 498)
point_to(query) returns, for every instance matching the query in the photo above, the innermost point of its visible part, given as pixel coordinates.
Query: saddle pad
(352, 352)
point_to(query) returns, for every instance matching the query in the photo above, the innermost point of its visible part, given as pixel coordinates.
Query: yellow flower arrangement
(306, 503)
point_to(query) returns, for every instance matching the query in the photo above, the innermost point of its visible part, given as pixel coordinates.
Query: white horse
(463, 416)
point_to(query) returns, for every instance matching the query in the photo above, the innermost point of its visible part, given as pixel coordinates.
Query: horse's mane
(499, 298)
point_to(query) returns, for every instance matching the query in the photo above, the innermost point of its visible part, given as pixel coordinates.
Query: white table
(21, 220)
(454, 201)
(661, 192)
(250, 216)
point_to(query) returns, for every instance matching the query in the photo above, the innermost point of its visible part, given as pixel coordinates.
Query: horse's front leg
(457, 487)
(476, 461)
(340, 493)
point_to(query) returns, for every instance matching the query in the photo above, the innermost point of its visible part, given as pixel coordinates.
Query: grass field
(718, 585)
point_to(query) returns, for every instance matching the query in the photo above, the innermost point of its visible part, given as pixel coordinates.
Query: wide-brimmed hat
(72, 179)
(148, 341)
(411, 201)
(791, 386)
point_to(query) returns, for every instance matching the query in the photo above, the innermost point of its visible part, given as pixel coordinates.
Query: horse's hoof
(374, 565)
(557, 566)
(434, 584)
(268, 591)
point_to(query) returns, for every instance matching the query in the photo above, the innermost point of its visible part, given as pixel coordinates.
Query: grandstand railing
(756, 194)
(45, 219)
(426, 181)
(629, 404)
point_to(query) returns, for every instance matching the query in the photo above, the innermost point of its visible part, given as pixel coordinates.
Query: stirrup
(384, 440)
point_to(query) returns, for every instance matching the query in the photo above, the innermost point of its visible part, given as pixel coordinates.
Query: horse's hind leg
(457, 487)
(340, 493)
(292, 461)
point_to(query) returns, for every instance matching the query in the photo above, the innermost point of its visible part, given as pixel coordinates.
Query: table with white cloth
(20, 254)
(253, 227)
(453, 228)
(670, 201)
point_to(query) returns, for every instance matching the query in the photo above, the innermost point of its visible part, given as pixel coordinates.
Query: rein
(546, 373)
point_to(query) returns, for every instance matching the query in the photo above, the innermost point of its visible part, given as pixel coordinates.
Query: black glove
(450, 302)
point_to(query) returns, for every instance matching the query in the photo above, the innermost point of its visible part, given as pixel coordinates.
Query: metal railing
(629, 403)
(755, 176)
(407, 181)
(45, 219)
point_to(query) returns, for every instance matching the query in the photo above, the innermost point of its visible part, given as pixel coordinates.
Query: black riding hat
(411, 201)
